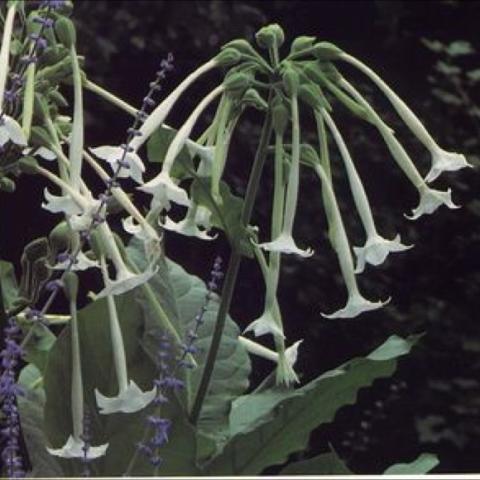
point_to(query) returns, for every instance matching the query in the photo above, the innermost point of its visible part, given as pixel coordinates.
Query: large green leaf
(420, 466)
(9, 283)
(324, 464)
(290, 422)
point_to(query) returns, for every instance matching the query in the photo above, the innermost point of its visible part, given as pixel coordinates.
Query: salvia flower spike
(430, 199)
(130, 397)
(376, 248)
(442, 161)
(74, 447)
(163, 185)
(284, 242)
(356, 303)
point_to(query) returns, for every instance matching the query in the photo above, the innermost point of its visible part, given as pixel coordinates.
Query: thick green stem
(233, 266)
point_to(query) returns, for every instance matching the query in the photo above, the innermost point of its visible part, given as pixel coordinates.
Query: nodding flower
(163, 185)
(430, 199)
(356, 303)
(442, 161)
(376, 248)
(130, 397)
(75, 445)
(125, 280)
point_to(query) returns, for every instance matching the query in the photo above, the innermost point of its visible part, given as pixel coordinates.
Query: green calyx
(308, 155)
(252, 98)
(291, 80)
(39, 137)
(228, 57)
(326, 51)
(313, 96)
(7, 185)
(60, 237)
(237, 82)
(301, 43)
(97, 245)
(280, 116)
(271, 36)
(70, 286)
(28, 165)
(65, 31)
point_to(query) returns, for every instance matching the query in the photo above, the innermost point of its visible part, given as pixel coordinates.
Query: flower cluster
(9, 390)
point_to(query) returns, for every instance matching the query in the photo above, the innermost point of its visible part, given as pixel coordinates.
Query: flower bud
(308, 155)
(280, 116)
(228, 57)
(291, 81)
(65, 31)
(96, 243)
(58, 98)
(241, 46)
(28, 165)
(270, 36)
(312, 95)
(301, 43)
(39, 137)
(237, 81)
(70, 286)
(7, 185)
(253, 98)
(60, 237)
(326, 51)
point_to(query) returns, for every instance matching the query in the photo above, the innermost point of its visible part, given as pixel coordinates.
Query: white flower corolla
(291, 353)
(284, 242)
(188, 226)
(113, 155)
(42, 152)
(10, 130)
(82, 263)
(267, 323)
(135, 229)
(356, 303)
(430, 199)
(84, 220)
(376, 248)
(75, 448)
(441, 160)
(66, 204)
(160, 113)
(203, 217)
(205, 152)
(131, 399)
(163, 185)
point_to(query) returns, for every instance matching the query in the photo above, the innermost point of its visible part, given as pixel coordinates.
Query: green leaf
(39, 346)
(9, 283)
(157, 147)
(227, 215)
(324, 464)
(292, 420)
(420, 466)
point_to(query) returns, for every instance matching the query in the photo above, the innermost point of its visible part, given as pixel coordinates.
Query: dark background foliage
(433, 402)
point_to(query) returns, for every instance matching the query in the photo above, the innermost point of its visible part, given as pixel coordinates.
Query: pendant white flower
(430, 200)
(113, 155)
(441, 160)
(82, 263)
(254, 348)
(10, 130)
(163, 185)
(42, 152)
(75, 448)
(188, 226)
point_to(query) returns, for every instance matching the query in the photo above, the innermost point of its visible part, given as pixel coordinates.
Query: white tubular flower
(266, 324)
(10, 130)
(130, 397)
(125, 280)
(42, 152)
(135, 229)
(132, 167)
(284, 242)
(82, 263)
(441, 160)
(188, 226)
(160, 113)
(356, 303)
(376, 248)
(66, 204)
(163, 185)
(291, 353)
(75, 448)
(430, 199)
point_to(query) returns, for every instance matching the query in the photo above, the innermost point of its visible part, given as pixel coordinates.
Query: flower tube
(75, 446)
(376, 248)
(163, 185)
(430, 199)
(442, 161)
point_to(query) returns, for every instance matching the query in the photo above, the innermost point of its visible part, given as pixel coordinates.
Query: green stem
(233, 266)
(28, 97)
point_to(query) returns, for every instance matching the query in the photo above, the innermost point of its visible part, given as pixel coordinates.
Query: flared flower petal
(61, 204)
(188, 227)
(443, 161)
(42, 152)
(82, 262)
(284, 243)
(205, 152)
(356, 305)
(430, 200)
(135, 229)
(266, 324)
(127, 281)
(10, 130)
(163, 188)
(75, 448)
(113, 155)
(376, 250)
(130, 400)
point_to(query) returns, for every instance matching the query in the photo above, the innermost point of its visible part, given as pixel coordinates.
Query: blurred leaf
(447, 97)
(474, 75)
(37, 349)
(324, 464)
(290, 424)
(420, 466)
(434, 45)
(447, 69)
(9, 283)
